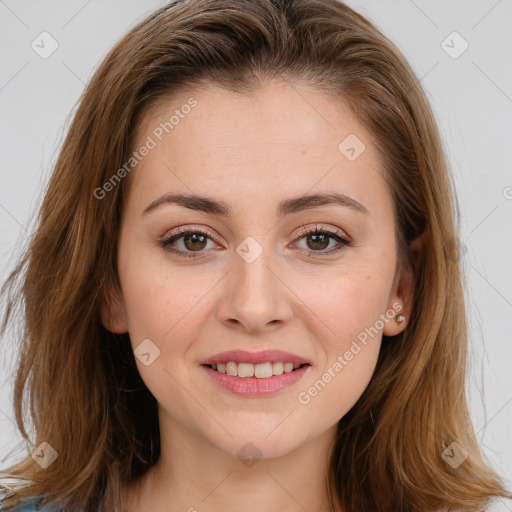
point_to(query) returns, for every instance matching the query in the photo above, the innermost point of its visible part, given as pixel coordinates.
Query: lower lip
(252, 386)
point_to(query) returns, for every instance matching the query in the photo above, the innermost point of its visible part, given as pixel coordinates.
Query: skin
(252, 153)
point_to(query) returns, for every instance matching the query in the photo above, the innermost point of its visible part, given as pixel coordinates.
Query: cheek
(158, 297)
(336, 388)
(348, 318)
(345, 303)
(166, 310)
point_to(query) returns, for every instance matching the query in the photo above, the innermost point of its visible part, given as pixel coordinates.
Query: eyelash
(332, 233)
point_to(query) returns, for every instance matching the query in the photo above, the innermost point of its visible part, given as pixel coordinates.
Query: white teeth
(277, 368)
(246, 370)
(260, 370)
(231, 368)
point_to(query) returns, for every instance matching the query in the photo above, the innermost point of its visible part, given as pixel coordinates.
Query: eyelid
(186, 229)
(301, 232)
(320, 227)
(175, 234)
(172, 235)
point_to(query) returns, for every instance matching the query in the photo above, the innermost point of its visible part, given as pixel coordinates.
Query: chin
(258, 445)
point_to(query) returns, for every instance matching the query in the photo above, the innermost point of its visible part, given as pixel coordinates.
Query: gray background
(471, 96)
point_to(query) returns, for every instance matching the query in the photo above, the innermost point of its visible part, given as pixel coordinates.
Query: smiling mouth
(260, 370)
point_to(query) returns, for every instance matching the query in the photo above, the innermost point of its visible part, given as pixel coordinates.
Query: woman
(243, 287)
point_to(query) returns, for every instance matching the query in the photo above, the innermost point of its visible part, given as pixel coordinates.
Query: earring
(400, 318)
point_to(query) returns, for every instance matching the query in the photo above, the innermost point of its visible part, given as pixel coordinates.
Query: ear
(113, 313)
(402, 294)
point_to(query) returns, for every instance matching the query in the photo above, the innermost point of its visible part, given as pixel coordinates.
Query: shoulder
(31, 505)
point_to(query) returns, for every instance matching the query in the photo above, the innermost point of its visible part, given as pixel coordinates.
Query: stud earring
(400, 318)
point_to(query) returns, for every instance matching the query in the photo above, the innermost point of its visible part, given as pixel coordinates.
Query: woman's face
(252, 276)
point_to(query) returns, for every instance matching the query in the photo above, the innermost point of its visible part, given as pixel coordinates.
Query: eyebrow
(286, 207)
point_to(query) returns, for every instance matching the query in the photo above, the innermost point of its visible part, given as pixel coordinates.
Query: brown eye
(189, 243)
(318, 241)
(194, 242)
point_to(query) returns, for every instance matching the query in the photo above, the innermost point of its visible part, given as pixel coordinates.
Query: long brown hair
(78, 383)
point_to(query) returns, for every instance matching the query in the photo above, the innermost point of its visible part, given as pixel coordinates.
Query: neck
(192, 474)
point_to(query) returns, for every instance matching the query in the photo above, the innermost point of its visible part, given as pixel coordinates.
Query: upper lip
(263, 356)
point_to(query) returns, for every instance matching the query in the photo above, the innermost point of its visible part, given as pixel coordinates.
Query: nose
(255, 297)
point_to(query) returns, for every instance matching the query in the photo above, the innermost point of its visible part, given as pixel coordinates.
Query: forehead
(283, 136)
(278, 112)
